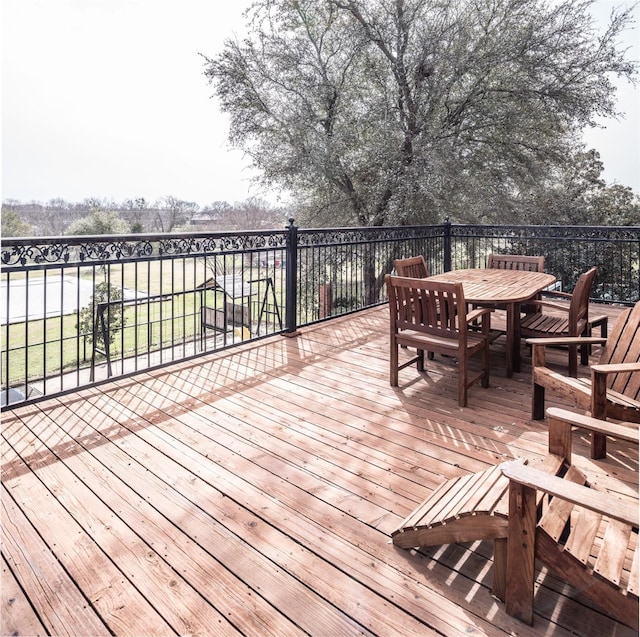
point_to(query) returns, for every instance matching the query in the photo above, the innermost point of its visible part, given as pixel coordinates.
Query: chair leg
(584, 355)
(498, 586)
(537, 402)
(573, 361)
(486, 361)
(420, 361)
(393, 365)
(521, 553)
(462, 382)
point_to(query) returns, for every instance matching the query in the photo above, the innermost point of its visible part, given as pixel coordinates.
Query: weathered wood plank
(17, 616)
(269, 478)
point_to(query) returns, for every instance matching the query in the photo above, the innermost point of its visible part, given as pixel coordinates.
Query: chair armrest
(615, 368)
(567, 340)
(478, 313)
(560, 295)
(597, 501)
(539, 351)
(550, 304)
(561, 422)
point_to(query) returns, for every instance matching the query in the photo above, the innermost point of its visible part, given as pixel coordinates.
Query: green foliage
(99, 222)
(89, 323)
(615, 205)
(575, 194)
(375, 112)
(13, 226)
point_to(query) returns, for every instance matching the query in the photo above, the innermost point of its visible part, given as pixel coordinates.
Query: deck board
(254, 491)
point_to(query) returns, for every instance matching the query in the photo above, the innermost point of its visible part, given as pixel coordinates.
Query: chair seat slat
(613, 551)
(583, 534)
(556, 515)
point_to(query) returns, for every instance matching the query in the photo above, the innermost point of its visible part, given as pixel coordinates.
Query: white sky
(106, 98)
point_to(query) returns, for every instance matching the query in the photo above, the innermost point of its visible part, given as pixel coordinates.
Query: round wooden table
(508, 288)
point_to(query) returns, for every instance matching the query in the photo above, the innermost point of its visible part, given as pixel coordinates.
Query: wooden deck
(253, 492)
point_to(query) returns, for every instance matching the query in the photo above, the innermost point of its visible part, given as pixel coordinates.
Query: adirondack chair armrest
(566, 340)
(598, 501)
(599, 375)
(539, 345)
(615, 368)
(562, 421)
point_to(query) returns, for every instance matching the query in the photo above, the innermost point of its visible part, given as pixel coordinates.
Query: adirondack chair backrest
(414, 267)
(623, 346)
(515, 262)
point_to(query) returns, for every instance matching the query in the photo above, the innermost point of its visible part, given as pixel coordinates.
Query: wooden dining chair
(432, 316)
(564, 321)
(414, 267)
(521, 262)
(515, 262)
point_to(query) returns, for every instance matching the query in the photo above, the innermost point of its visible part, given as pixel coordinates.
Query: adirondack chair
(574, 320)
(432, 316)
(585, 537)
(612, 391)
(414, 267)
(477, 507)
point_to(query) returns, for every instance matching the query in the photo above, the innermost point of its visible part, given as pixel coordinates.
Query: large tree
(172, 213)
(398, 111)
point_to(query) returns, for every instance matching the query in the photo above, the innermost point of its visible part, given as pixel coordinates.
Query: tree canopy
(376, 112)
(99, 222)
(13, 226)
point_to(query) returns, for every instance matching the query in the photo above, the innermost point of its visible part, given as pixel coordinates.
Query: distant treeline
(59, 217)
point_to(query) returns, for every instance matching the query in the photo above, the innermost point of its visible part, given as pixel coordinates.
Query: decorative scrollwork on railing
(81, 251)
(25, 254)
(332, 236)
(220, 244)
(608, 233)
(92, 252)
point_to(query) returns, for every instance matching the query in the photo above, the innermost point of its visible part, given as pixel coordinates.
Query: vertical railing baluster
(291, 293)
(447, 245)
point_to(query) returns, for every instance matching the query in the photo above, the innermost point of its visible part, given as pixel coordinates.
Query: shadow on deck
(254, 491)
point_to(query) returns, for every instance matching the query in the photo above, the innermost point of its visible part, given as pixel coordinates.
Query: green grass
(47, 347)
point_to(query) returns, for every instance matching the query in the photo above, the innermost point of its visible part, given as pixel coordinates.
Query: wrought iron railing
(80, 310)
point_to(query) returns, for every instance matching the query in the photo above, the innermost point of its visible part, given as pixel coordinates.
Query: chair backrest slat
(623, 346)
(515, 262)
(414, 267)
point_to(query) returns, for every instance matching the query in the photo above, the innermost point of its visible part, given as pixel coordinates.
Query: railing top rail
(43, 252)
(155, 236)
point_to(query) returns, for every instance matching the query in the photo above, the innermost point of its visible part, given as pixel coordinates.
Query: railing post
(291, 295)
(447, 245)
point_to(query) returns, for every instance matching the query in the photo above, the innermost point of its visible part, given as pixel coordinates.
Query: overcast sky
(107, 99)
